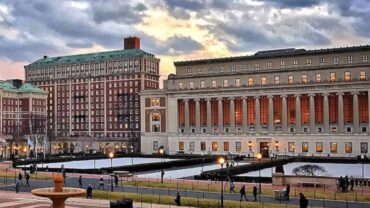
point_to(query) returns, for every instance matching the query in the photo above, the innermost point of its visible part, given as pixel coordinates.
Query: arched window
(156, 122)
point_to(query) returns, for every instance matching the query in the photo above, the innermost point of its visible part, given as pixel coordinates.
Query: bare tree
(309, 170)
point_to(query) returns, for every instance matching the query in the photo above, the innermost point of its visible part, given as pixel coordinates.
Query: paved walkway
(72, 182)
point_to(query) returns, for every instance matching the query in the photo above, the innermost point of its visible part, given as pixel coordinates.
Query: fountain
(58, 195)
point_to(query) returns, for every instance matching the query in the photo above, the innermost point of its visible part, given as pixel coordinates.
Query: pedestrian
(162, 175)
(303, 202)
(255, 192)
(89, 192)
(17, 184)
(80, 181)
(232, 187)
(352, 183)
(64, 176)
(287, 191)
(116, 179)
(178, 199)
(20, 177)
(27, 179)
(101, 183)
(243, 194)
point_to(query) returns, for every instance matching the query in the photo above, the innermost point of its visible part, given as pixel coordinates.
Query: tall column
(197, 115)
(326, 113)
(356, 118)
(257, 111)
(298, 114)
(232, 115)
(312, 113)
(284, 114)
(271, 128)
(368, 109)
(209, 115)
(340, 112)
(187, 116)
(220, 116)
(245, 115)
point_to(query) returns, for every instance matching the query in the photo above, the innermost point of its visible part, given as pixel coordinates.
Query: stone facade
(291, 101)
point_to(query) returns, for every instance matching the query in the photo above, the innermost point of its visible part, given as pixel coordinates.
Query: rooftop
(275, 54)
(82, 58)
(25, 88)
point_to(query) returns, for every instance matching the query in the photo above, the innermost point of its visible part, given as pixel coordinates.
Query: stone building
(93, 102)
(286, 102)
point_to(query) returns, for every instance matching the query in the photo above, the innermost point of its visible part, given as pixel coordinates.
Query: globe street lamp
(221, 161)
(161, 153)
(259, 156)
(363, 173)
(111, 155)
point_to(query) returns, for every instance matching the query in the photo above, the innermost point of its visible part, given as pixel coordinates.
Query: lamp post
(363, 173)
(161, 153)
(259, 156)
(221, 161)
(111, 155)
(293, 149)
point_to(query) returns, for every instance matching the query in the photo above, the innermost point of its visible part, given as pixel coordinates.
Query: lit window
(309, 62)
(226, 146)
(304, 146)
(226, 83)
(237, 82)
(362, 75)
(282, 64)
(319, 146)
(318, 77)
(333, 147)
(291, 147)
(202, 84)
(256, 66)
(322, 61)
(336, 60)
(214, 83)
(181, 146)
(304, 78)
(364, 58)
(347, 76)
(290, 79)
(277, 80)
(238, 146)
(350, 59)
(263, 81)
(348, 147)
(333, 77)
(269, 65)
(214, 146)
(191, 85)
(295, 62)
(181, 86)
(155, 102)
(250, 81)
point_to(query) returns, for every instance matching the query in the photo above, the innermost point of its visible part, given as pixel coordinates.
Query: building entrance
(264, 149)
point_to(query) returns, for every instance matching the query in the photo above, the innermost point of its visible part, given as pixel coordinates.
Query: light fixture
(259, 156)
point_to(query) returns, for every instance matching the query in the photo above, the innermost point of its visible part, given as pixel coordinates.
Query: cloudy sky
(175, 30)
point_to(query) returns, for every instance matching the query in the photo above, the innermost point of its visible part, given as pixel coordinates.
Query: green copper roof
(5, 86)
(90, 57)
(27, 87)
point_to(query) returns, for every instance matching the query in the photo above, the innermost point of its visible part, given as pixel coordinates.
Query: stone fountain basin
(50, 193)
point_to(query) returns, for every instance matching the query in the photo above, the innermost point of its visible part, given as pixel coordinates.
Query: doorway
(264, 149)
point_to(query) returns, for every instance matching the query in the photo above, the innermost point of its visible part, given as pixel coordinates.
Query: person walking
(178, 199)
(80, 181)
(232, 187)
(20, 177)
(64, 176)
(27, 176)
(255, 192)
(352, 182)
(17, 184)
(89, 192)
(287, 191)
(116, 178)
(101, 183)
(303, 202)
(243, 194)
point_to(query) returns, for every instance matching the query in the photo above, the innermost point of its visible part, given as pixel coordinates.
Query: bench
(309, 183)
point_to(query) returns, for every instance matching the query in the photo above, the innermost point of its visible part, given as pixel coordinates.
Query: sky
(175, 30)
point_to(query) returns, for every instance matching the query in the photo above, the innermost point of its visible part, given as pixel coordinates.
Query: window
(333, 77)
(181, 86)
(155, 145)
(192, 146)
(336, 60)
(290, 79)
(348, 147)
(226, 146)
(347, 76)
(322, 61)
(191, 85)
(277, 80)
(364, 58)
(282, 64)
(309, 62)
(202, 84)
(333, 147)
(214, 146)
(291, 146)
(256, 66)
(304, 78)
(319, 147)
(250, 81)
(181, 146)
(155, 102)
(318, 77)
(156, 122)
(269, 65)
(304, 146)
(362, 75)
(237, 82)
(200, 70)
(350, 59)
(238, 146)
(233, 67)
(203, 146)
(364, 147)
(245, 67)
(263, 81)
(226, 83)
(295, 63)
(214, 83)
(189, 70)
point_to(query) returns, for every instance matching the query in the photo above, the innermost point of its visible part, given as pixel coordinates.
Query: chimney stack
(132, 43)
